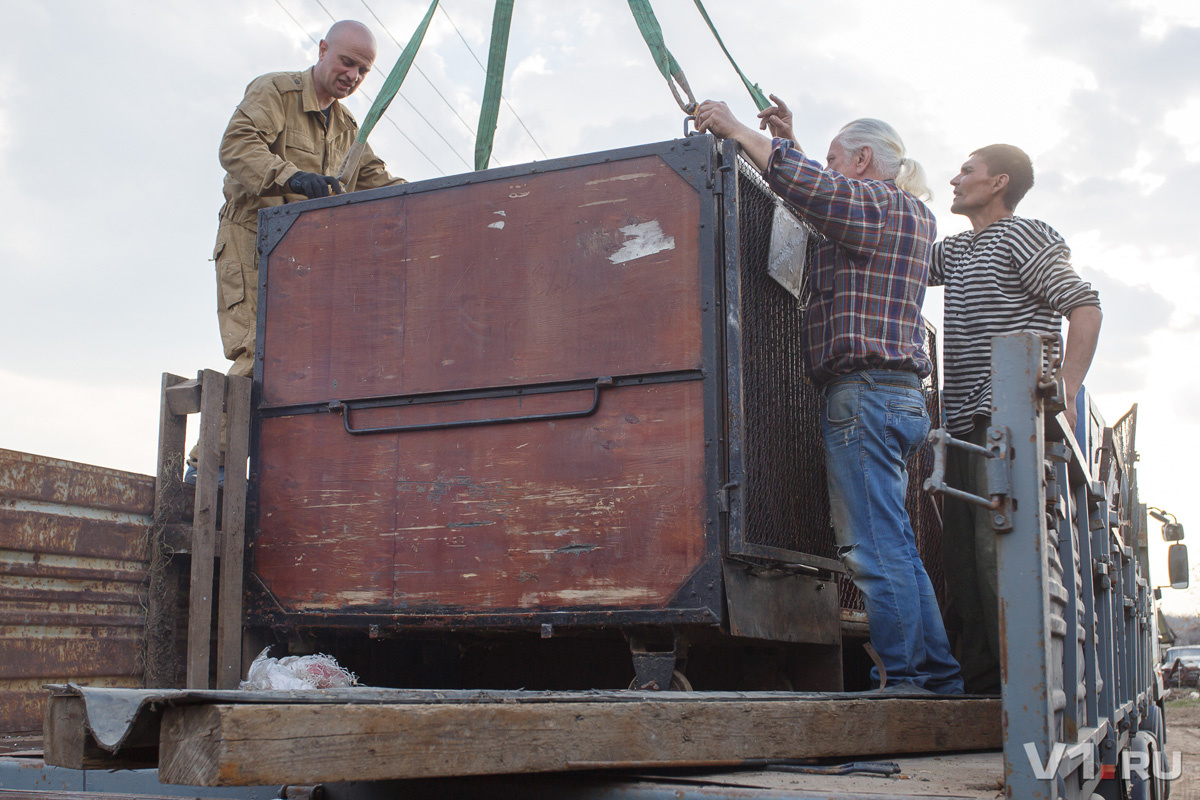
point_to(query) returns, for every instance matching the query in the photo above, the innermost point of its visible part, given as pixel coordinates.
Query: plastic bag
(294, 673)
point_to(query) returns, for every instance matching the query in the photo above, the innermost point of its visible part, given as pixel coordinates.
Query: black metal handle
(517, 391)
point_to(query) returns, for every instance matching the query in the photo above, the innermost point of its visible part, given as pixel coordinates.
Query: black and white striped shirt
(1015, 275)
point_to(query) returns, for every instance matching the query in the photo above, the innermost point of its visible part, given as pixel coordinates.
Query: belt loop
(870, 381)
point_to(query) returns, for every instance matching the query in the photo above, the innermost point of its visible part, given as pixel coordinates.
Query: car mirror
(1172, 531)
(1177, 566)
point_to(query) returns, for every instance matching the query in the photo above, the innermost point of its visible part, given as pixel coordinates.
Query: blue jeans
(873, 421)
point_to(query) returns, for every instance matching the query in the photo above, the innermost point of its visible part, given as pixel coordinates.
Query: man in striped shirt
(864, 347)
(1006, 275)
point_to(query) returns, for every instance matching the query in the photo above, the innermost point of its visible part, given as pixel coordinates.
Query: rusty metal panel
(73, 562)
(493, 399)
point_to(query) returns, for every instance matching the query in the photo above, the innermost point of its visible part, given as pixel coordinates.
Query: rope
(756, 93)
(396, 77)
(466, 44)
(386, 93)
(651, 31)
(488, 113)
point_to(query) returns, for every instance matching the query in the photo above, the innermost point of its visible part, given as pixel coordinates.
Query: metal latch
(999, 500)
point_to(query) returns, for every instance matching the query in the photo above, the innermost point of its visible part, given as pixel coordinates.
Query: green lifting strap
(390, 86)
(760, 99)
(486, 133)
(651, 31)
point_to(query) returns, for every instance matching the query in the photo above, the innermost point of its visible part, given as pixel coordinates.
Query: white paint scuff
(642, 239)
(605, 202)
(628, 176)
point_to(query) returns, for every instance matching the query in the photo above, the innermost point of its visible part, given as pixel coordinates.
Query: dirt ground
(1183, 734)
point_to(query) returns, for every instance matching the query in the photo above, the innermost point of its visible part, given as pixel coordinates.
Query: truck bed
(978, 776)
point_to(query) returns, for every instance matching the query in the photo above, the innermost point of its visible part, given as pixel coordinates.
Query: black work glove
(312, 185)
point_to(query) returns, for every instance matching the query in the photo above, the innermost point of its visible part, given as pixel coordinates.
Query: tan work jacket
(278, 130)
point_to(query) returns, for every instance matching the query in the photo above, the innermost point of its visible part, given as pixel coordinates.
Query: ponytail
(911, 178)
(887, 154)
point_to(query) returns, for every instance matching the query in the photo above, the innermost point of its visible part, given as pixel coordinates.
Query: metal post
(1022, 560)
(1084, 524)
(1074, 684)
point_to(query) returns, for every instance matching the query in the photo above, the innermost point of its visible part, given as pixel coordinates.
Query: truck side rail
(1081, 697)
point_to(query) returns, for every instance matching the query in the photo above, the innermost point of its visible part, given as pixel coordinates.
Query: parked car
(1181, 666)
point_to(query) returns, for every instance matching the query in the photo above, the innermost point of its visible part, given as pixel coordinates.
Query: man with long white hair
(865, 348)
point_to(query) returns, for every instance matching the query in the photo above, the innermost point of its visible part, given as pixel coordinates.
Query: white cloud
(531, 65)
(1183, 123)
(1161, 16)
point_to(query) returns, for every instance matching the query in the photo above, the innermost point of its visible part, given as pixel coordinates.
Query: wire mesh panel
(786, 501)
(1124, 433)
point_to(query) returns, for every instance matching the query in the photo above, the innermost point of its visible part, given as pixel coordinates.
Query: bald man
(285, 143)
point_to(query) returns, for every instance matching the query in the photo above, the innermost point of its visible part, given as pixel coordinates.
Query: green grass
(1179, 699)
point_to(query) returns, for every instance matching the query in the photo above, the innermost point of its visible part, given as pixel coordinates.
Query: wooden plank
(68, 743)
(184, 398)
(233, 532)
(204, 532)
(235, 745)
(65, 731)
(162, 615)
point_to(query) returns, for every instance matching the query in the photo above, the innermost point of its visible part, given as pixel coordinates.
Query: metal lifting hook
(1054, 354)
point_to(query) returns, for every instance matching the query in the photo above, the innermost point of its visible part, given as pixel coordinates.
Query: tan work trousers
(236, 260)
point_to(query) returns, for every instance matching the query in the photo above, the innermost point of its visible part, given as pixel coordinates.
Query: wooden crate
(519, 398)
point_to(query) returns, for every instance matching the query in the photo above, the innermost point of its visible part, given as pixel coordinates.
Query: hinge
(719, 179)
(723, 496)
(998, 480)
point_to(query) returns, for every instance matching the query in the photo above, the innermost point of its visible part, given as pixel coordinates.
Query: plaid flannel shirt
(869, 274)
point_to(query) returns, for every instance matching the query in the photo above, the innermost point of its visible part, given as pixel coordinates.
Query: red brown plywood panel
(326, 513)
(604, 511)
(575, 273)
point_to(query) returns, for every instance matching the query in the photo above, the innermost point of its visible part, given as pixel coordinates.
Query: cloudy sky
(111, 111)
